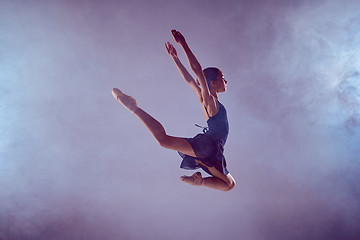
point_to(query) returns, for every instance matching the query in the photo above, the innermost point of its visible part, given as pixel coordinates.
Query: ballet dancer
(205, 150)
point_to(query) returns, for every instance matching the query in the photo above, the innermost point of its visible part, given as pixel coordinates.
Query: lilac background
(74, 164)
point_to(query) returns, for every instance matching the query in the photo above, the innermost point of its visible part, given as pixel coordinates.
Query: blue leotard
(209, 146)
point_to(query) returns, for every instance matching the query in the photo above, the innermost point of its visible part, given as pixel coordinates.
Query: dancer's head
(215, 79)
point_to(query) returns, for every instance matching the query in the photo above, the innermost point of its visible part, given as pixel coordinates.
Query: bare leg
(156, 129)
(216, 183)
(211, 182)
(219, 181)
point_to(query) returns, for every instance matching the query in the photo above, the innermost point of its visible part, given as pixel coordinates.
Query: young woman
(204, 150)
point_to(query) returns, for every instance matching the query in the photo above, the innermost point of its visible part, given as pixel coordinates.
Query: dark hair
(211, 74)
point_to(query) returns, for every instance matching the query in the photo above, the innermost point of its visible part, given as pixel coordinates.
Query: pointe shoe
(195, 179)
(128, 101)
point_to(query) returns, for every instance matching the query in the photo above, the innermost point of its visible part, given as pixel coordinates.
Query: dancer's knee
(163, 140)
(230, 186)
(230, 183)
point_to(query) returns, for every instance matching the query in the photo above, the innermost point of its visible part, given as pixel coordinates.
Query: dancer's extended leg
(157, 130)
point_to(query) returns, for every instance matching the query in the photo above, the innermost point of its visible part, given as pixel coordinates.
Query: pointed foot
(128, 101)
(195, 179)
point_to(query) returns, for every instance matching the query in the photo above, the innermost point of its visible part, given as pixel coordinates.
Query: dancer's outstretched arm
(208, 99)
(183, 71)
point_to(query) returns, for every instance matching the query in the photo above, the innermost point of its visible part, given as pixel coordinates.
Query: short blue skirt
(208, 151)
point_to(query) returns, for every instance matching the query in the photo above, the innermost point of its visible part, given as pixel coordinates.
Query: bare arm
(196, 67)
(183, 71)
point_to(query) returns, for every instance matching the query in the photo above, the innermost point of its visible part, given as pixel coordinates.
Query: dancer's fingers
(117, 91)
(173, 32)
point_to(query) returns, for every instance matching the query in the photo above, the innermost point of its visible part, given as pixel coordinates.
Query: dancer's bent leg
(219, 180)
(211, 182)
(156, 129)
(217, 183)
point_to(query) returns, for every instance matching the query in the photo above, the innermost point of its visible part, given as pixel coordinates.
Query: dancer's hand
(178, 37)
(171, 50)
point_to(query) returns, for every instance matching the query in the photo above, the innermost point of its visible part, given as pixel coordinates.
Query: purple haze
(74, 164)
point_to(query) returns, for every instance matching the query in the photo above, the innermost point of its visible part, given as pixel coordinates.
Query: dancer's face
(220, 84)
(224, 82)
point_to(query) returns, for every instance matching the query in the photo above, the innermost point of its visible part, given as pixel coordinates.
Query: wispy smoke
(75, 165)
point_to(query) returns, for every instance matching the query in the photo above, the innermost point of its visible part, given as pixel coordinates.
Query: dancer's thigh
(178, 144)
